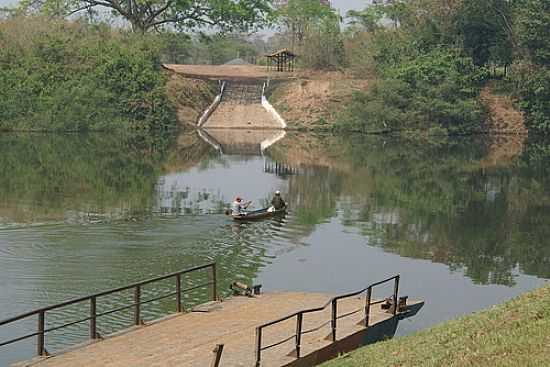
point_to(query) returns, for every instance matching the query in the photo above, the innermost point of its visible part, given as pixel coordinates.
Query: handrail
(334, 317)
(137, 302)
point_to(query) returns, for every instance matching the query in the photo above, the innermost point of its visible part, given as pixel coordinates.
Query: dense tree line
(57, 75)
(428, 58)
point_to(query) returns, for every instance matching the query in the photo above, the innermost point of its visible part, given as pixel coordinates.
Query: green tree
(155, 14)
(485, 29)
(367, 19)
(298, 16)
(532, 22)
(532, 73)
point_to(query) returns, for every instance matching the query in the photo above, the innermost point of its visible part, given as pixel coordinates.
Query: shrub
(58, 75)
(533, 86)
(435, 89)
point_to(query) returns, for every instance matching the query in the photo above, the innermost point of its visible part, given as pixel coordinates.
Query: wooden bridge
(275, 329)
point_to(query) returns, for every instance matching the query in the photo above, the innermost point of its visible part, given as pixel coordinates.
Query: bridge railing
(333, 321)
(93, 299)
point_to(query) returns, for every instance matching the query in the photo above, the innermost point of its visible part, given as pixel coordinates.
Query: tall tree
(144, 15)
(485, 29)
(533, 22)
(298, 16)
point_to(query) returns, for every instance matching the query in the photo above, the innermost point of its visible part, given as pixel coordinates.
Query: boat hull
(258, 214)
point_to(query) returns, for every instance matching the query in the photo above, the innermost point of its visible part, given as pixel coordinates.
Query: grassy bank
(515, 333)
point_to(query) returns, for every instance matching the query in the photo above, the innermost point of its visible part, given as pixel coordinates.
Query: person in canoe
(277, 202)
(239, 206)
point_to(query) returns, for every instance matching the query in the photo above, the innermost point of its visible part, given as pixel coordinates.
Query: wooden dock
(188, 339)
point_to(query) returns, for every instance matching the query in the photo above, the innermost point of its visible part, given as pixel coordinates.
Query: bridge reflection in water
(241, 141)
(249, 143)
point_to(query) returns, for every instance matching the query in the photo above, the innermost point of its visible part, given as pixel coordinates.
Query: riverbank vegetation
(63, 67)
(427, 60)
(511, 334)
(408, 65)
(73, 76)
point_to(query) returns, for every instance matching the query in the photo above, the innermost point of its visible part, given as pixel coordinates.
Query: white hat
(277, 192)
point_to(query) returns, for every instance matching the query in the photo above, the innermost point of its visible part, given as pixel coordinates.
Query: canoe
(258, 214)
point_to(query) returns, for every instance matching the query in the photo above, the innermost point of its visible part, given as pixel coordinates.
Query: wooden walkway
(188, 339)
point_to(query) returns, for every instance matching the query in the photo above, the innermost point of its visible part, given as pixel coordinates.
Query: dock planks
(188, 339)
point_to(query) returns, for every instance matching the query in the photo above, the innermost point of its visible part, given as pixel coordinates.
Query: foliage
(181, 48)
(532, 72)
(57, 75)
(312, 30)
(533, 86)
(434, 89)
(158, 14)
(532, 19)
(368, 19)
(485, 29)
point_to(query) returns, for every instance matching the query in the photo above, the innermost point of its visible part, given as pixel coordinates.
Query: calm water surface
(465, 222)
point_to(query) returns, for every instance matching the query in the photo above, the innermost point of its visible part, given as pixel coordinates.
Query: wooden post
(217, 355)
(178, 293)
(395, 291)
(137, 310)
(299, 333)
(93, 322)
(258, 346)
(40, 348)
(367, 306)
(214, 281)
(333, 320)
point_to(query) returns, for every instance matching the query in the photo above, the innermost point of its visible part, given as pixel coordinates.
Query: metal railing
(93, 299)
(297, 336)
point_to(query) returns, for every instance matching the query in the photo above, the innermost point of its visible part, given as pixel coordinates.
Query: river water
(466, 222)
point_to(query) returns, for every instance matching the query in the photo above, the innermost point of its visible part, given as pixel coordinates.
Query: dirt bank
(504, 117)
(190, 96)
(312, 100)
(505, 126)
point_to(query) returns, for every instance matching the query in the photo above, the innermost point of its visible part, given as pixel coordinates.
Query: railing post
(93, 320)
(258, 346)
(214, 285)
(333, 319)
(299, 333)
(217, 355)
(178, 293)
(40, 348)
(367, 306)
(137, 297)
(395, 290)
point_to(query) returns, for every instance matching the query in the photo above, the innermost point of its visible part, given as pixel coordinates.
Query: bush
(438, 89)
(533, 86)
(58, 75)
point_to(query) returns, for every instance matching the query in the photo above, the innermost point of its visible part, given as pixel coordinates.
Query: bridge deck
(188, 339)
(227, 72)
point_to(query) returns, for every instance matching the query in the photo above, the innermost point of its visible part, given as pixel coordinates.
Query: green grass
(516, 333)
